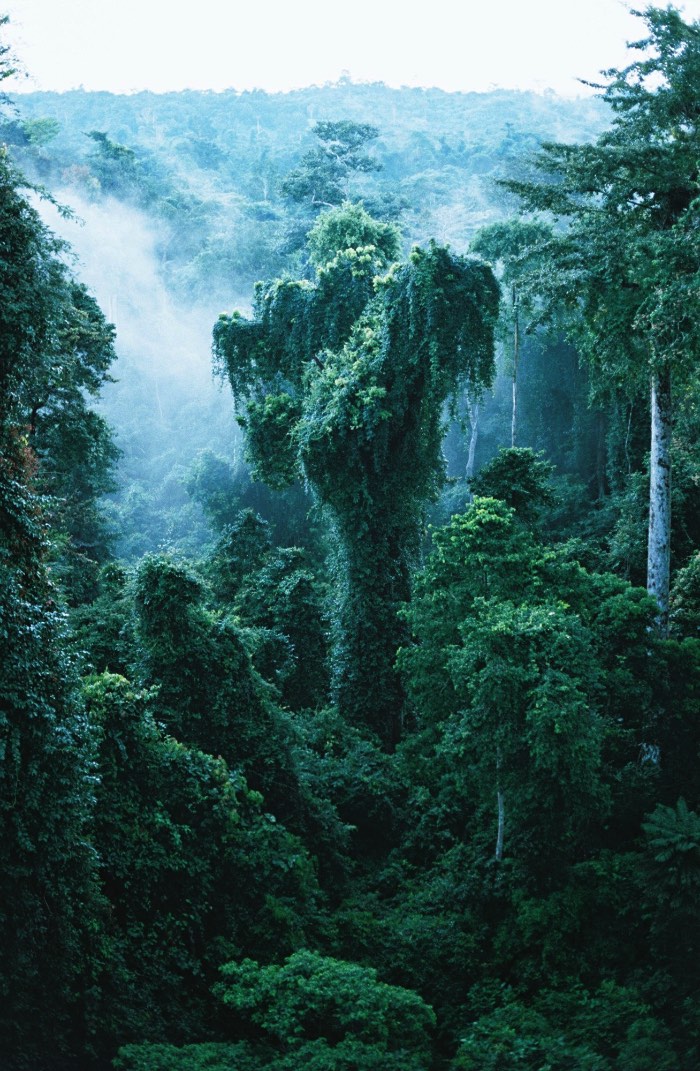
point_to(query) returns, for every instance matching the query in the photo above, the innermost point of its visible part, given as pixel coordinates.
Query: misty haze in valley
(179, 211)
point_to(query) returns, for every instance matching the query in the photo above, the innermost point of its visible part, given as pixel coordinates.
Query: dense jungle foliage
(350, 710)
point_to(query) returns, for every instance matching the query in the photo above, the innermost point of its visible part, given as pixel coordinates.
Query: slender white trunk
(500, 803)
(659, 556)
(600, 458)
(501, 824)
(516, 353)
(473, 410)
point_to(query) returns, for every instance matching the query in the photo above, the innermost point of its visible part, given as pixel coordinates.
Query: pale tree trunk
(659, 556)
(473, 410)
(516, 354)
(500, 803)
(501, 824)
(600, 455)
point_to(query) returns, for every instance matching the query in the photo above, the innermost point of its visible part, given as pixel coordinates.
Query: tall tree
(630, 260)
(532, 671)
(73, 443)
(47, 877)
(193, 867)
(209, 696)
(345, 380)
(322, 179)
(505, 246)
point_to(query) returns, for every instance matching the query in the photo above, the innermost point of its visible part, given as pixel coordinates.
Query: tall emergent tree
(344, 381)
(630, 259)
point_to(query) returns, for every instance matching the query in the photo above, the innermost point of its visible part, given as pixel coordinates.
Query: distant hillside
(208, 165)
(233, 120)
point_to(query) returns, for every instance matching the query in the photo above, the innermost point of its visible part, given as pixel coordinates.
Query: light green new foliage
(314, 1012)
(327, 1013)
(350, 227)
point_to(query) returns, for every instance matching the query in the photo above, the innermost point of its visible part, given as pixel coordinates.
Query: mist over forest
(179, 211)
(350, 576)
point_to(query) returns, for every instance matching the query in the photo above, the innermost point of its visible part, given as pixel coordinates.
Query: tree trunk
(372, 581)
(473, 410)
(600, 455)
(516, 352)
(500, 803)
(659, 556)
(501, 824)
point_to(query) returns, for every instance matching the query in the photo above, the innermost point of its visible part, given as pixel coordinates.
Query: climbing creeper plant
(343, 382)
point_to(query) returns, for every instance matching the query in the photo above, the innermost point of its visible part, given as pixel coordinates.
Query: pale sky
(126, 45)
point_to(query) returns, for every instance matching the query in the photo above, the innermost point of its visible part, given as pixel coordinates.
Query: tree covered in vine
(343, 381)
